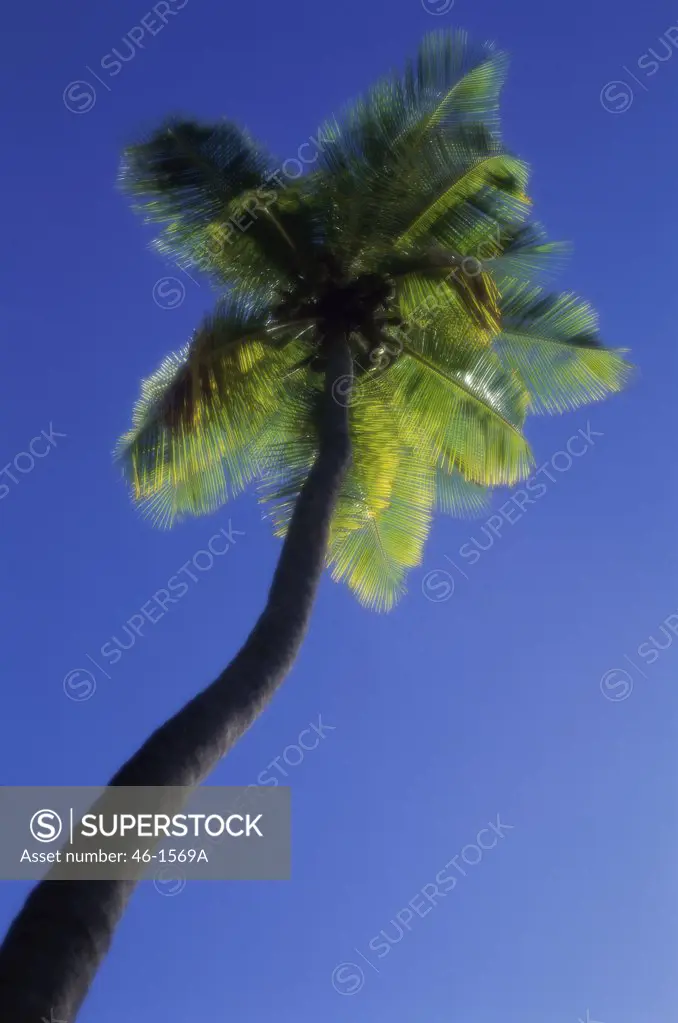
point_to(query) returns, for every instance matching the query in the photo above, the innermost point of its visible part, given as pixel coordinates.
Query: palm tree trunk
(56, 943)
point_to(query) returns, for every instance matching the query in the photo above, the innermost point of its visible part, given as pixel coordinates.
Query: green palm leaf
(457, 81)
(370, 156)
(457, 496)
(451, 171)
(374, 559)
(460, 402)
(201, 420)
(551, 341)
(218, 197)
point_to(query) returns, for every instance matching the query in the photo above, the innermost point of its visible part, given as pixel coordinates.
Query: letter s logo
(169, 293)
(46, 826)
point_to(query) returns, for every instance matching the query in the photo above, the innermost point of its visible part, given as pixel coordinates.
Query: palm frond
(369, 154)
(552, 342)
(456, 496)
(449, 172)
(521, 253)
(456, 81)
(199, 424)
(462, 405)
(221, 202)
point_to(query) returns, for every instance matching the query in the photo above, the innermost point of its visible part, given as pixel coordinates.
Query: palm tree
(381, 334)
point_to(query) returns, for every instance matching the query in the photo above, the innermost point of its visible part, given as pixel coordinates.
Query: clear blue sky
(444, 714)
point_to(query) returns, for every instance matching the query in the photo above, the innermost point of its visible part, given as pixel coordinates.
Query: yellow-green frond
(199, 425)
(465, 407)
(552, 343)
(374, 559)
(459, 497)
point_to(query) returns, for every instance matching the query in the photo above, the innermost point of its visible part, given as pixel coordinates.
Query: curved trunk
(56, 943)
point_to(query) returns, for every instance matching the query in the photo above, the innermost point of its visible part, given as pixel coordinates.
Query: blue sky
(442, 715)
